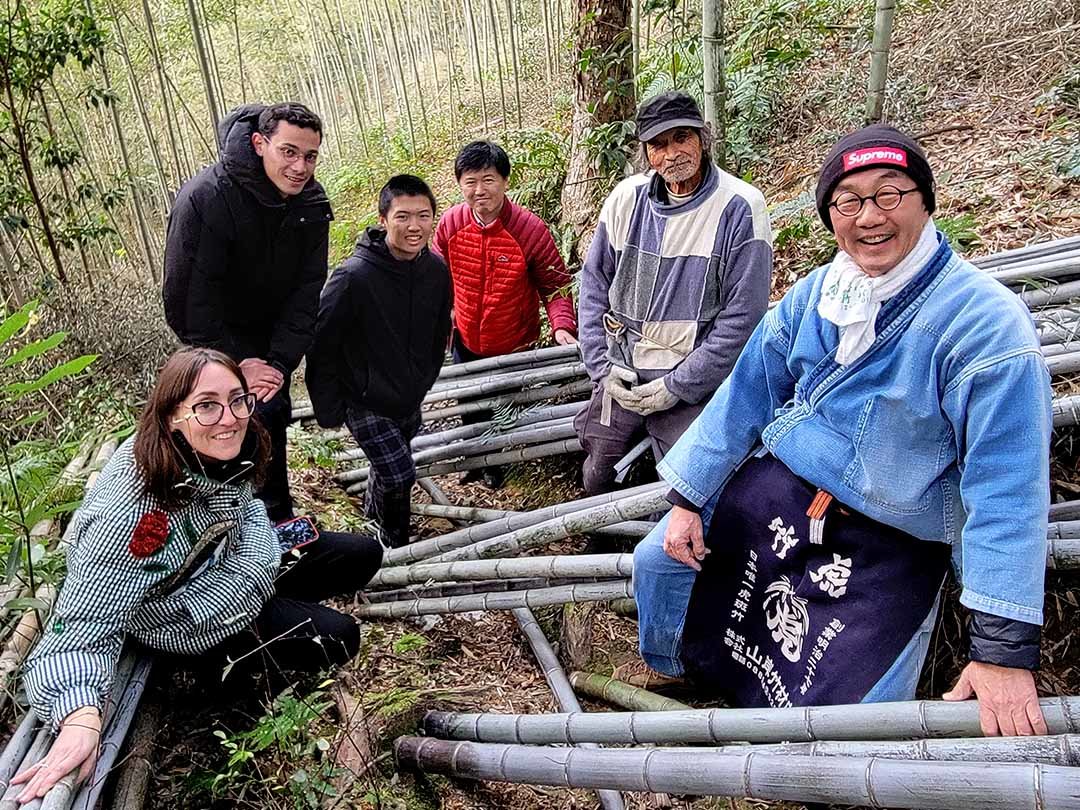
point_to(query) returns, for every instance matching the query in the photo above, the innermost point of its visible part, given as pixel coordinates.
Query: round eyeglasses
(209, 413)
(885, 198)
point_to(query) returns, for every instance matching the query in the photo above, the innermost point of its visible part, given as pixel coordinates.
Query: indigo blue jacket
(941, 429)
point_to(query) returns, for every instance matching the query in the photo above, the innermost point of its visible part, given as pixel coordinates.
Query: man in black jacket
(245, 259)
(384, 321)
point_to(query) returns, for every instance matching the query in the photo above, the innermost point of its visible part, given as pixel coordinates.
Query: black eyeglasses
(209, 413)
(885, 198)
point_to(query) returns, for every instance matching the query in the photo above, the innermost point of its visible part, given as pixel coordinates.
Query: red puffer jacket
(501, 271)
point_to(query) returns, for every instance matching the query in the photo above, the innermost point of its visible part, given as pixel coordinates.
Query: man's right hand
(262, 379)
(684, 539)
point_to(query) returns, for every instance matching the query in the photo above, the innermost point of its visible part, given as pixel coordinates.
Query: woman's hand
(564, 337)
(684, 539)
(1008, 702)
(76, 746)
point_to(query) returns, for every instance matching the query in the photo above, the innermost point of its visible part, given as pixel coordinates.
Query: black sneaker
(472, 476)
(493, 477)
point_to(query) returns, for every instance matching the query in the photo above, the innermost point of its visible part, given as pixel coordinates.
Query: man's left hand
(565, 338)
(650, 397)
(1008, 702)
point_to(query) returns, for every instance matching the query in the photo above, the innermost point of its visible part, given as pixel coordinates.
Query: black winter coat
(244, 266)
(382, 332)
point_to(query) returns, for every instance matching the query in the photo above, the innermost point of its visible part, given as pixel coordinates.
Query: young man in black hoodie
(245, 259)
(384, 322)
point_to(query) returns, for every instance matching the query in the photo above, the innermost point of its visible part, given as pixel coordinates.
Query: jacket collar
(371, 246)
(206, 476)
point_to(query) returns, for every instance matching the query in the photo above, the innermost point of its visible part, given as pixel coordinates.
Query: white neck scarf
(851, 299)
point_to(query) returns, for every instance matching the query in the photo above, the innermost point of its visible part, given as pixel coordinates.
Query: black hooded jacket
(243, 265)
(382, 332)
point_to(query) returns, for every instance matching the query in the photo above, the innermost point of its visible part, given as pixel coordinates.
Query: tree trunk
(495, 31)
(600, 24)
(471, 18)
(514, 54)
(712, 40)
(879, 59)
(204, 69)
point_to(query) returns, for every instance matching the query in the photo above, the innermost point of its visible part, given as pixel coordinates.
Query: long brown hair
(156, 455)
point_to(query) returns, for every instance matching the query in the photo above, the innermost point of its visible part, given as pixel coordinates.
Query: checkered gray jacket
(181, 589)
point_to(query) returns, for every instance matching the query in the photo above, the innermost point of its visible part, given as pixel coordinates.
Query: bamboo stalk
(1066, 510)
(414, 552)
(16, 748)
(538, 597)
(133, 782)
(560, 686)
(863, 721)
(1043, 269)
(1028, 252)
(465, 449)
(1068, 363)
(504, 361)
(879, 59)
(1052, 294)
(839, 780)
(520, 398)
(622, 694)
(530, 453)
(531, 417)
(507, 382)
(442, 590)
(469, 514)
(437, 496)
(1060, 749)
(38, 748)
(561, 527)
(556, 567)
(458, 381)
(120, 719)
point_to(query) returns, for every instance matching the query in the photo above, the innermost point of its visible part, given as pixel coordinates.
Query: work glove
(650, 397)
(618, 385)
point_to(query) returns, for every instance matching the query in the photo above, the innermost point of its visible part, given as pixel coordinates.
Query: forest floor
(994, 91)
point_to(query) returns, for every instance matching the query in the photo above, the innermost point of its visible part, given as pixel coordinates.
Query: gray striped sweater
(114, 589)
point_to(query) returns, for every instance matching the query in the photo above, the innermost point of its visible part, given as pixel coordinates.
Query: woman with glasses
(170, 549)
(891, 414)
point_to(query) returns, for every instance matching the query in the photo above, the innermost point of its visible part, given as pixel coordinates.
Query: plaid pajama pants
(385, 442)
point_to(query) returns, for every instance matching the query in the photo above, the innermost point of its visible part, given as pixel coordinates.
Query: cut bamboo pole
(1066, 510)
(530, 453)
(520, 398)
(16, 748)
(539, 597)
(547, 432)
(559, 566)
(133, 781)
(1059, 749)
(497, 374)
(121, 717)
(623, 695)
(560, 686)
(1051, 294)
(532, 417)
(507, 382)
(1020, 274)
(1068, 363)
(1028, 252)
(414, 552)
(1066, 411)
(442, 590)
(863, 721)
(831, 780)
(504, 361)
(470, 514)
(438, 497)
(561, 527)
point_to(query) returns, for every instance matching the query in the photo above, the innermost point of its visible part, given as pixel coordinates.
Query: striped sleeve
(73, 664)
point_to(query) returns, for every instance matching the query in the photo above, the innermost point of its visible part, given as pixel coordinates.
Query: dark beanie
(873, 147)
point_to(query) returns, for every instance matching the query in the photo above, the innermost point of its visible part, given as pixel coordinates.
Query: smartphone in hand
(293, 534)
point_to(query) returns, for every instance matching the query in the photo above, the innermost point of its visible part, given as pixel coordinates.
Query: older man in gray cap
(676, 279)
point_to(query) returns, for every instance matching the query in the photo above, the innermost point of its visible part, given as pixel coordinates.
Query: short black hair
(481, 155)
(403, 185)
(292, 112)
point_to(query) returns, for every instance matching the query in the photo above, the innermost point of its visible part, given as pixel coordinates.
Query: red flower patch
(150, 534)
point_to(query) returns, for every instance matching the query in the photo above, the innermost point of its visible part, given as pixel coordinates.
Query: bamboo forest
(539, 404)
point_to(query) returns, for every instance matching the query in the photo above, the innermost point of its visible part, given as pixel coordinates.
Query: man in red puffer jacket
(504, 263)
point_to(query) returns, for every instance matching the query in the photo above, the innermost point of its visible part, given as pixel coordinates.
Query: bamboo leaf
(38, 347)
(23, 603)
(57, 373)
(16, 321)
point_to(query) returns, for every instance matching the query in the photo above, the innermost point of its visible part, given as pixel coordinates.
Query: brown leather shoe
(638, 673)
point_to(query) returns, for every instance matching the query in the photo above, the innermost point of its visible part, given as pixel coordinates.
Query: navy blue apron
(788, 614)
